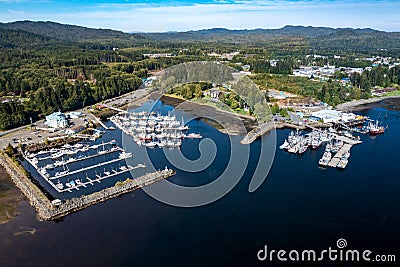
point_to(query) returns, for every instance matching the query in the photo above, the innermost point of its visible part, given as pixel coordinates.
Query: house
(214, 93)
(75, 129)
(56, 120)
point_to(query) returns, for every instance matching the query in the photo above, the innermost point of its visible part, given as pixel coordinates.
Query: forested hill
(21, 39)
(324, 38)
(313, 37)
(71, 32)
(241, 35)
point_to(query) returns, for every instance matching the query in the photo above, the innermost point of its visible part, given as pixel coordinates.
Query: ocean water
(299, 206)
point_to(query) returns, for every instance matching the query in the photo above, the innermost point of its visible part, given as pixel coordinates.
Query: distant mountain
(286, 37)
(68, 32)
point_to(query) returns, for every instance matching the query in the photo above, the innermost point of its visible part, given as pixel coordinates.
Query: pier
(343, 150)
(98, 179)
(88, 168)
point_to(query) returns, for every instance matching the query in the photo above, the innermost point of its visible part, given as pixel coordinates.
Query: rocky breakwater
(120, 188)
(47, 211)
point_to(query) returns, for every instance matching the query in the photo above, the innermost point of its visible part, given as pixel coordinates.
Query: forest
(46, 66)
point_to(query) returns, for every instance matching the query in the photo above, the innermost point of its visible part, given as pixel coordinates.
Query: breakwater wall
(47, 211)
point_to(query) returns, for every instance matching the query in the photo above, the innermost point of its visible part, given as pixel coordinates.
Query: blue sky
(164, 15)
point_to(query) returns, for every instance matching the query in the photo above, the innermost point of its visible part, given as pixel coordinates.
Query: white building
(56, 120)
(327, 115)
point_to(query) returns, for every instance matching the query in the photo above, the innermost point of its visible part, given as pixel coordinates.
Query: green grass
(395, 93)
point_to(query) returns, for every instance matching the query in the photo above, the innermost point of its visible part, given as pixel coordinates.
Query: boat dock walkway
(343, 150)
(98, 179)
(86, 157)
(88, 168)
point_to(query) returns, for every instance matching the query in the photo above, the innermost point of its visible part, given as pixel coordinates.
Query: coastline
(361, 104)
(233, 123)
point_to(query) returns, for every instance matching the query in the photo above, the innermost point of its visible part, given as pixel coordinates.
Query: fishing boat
(375, 129)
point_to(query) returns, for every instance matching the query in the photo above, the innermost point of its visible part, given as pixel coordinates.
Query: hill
(71, 32)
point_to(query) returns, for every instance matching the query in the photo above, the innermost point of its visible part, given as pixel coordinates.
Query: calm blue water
(298, 206)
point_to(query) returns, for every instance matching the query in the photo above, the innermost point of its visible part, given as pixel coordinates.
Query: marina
(338, 143)
(153, 129)
(52, 169)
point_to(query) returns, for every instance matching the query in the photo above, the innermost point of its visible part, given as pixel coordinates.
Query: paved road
(24, 132)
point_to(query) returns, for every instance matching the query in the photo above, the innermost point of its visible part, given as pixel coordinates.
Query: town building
(56, 120)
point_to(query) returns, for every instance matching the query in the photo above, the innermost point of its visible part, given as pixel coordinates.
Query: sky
(164, 15)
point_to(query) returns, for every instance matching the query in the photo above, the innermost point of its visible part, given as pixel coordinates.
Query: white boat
(59, 185)
(193, 135)
(125, 155)
(150, 144)
(285, 145)
(123, 168)
(303, 148)
(325, 159)
(293, 149)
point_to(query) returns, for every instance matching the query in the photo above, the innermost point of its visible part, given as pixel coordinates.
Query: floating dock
(343, 150)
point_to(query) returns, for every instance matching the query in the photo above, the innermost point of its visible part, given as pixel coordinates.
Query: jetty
(251, 136)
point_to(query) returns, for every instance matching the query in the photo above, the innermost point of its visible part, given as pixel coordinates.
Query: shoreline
(361, 103)
(233, 122)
